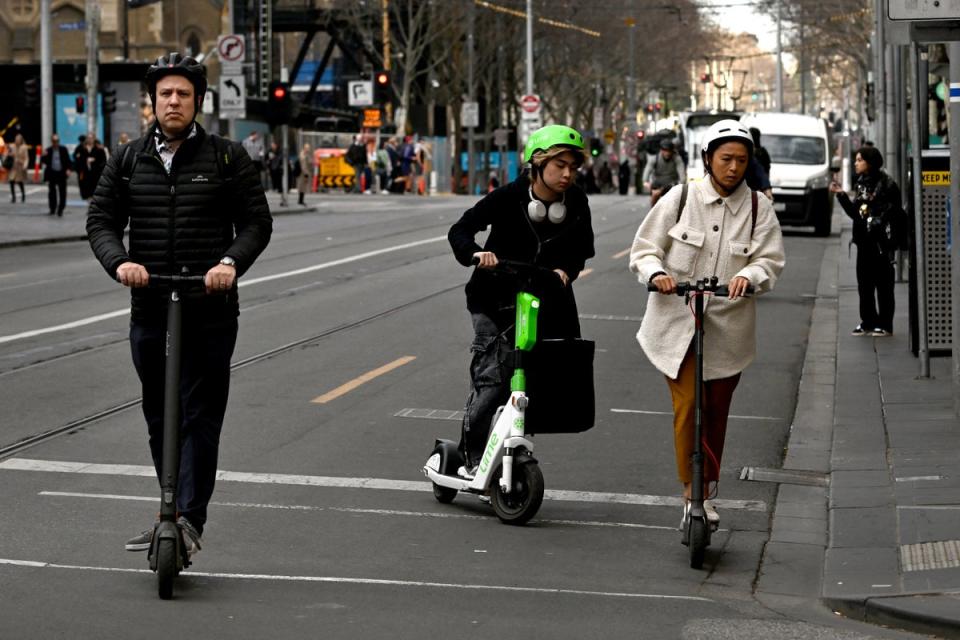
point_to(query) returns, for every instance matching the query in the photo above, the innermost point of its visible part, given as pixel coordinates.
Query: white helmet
(725, 131)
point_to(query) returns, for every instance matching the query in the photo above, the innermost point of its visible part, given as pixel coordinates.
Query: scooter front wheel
(444, 495)
(166, 566)
(699, 538)
(525, 497)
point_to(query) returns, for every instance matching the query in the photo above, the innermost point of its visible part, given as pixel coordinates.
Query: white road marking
(670, 413)
(241, 283)
(145, 471)
(917, 478)
(358, 511)
(361, 581)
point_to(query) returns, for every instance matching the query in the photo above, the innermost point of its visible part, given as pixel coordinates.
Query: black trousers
(489, 386)
(204, 387)
(57, 193)
(875, 285)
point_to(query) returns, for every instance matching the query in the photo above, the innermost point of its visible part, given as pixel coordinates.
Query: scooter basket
(560, 386)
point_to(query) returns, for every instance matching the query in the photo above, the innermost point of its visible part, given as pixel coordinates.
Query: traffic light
(658, 107)
(870, 102)
(109, 100)
(596, 147)
(80, 104)
(381, 87)
(31, 92)
(705, 78)
(641, 134)
(648, 108)
(279, 104)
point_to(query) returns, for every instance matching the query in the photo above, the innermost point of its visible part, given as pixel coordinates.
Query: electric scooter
(508, 473)
(168, 554)
(696, 529)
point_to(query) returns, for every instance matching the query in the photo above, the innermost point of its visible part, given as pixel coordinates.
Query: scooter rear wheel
(166, 567)
(525, 497)
(699, 539)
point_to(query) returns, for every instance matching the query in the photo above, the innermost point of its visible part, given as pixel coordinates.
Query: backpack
(753, 206)
(224, 156)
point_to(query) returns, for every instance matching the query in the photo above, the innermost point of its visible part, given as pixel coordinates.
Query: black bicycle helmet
(176, 64)
(667, 144)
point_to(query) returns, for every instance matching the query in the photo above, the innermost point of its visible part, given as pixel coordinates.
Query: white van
(799, 148)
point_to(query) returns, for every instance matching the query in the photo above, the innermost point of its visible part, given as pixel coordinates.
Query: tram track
(25, 443)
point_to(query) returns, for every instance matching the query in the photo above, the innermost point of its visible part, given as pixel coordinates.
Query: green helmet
(552, 135)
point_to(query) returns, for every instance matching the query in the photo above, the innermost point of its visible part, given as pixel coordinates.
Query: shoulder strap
(753, 212)
(683, 201)
(224, 152)
(128, 162)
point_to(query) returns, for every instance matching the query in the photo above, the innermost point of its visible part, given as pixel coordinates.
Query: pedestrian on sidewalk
(56, 162)
(305, 172)
(206, 195)
(275, 166)
(878, 229)
(722, 229)
(89, 159)
(20, 154)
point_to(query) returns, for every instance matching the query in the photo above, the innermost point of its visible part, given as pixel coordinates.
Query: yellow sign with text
(936, 178)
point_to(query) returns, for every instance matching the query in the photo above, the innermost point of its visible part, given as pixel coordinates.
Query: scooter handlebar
(158, 280)
(706, 286)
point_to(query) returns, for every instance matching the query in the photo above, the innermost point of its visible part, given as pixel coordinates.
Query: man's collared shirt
(164, 150)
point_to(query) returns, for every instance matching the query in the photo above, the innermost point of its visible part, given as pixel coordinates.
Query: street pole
(231, 122)
(529, 90)
(916, 131)
(93, 29)
(284, 133)
(46, 74)
(632, 78)
(880, 78)
(471, 92)
(780, 106)
(955, 218)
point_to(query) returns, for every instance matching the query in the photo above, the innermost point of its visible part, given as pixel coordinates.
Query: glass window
(795, 149)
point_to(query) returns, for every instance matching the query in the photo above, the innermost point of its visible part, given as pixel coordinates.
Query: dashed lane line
(447, 515)
(34, 564)
(61, 466)
(349, 386)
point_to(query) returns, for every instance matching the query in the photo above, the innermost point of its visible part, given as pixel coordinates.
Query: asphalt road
(322, 524)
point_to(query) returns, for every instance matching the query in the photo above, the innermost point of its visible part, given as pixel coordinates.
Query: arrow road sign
(360, 93)
(335, 181)
(233, 101)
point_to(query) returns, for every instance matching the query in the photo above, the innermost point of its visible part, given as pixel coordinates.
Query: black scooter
(168, 553)
(697, 531)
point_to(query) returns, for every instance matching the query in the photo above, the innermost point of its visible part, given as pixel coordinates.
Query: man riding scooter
(666, 170)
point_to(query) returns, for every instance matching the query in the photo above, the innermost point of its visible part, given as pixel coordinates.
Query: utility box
(935, 195)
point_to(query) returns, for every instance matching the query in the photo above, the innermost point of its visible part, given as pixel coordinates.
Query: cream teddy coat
(712, 238)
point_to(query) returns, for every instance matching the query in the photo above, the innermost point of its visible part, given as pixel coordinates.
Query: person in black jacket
(876, 211)
(195, 201)
(56, 163)
(543, 219)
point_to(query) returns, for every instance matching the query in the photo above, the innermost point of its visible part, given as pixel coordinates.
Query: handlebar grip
(684, 288)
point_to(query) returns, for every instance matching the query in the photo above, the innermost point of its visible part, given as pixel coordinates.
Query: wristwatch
(230, 262)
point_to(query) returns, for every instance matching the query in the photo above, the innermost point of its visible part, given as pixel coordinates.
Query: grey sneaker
(860, 331)
(467, 473)
(713, 518)
(880, 333)
(191, 538)
(141, 541)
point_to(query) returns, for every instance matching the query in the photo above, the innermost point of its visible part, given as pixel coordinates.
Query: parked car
(799, 148)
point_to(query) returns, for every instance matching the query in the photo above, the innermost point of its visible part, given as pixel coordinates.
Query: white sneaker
(686, 515)
(467, 474)
(713, 518)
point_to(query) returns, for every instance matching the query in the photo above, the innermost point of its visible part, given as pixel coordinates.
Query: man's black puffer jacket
(190, 218)
(514, 236)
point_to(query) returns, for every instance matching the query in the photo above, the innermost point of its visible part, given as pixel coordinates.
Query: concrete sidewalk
(26, 223)
(870, 523)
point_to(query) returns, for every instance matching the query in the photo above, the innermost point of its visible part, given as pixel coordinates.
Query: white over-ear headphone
(555, 211)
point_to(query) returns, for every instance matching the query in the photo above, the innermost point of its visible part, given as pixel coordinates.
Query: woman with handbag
(16, 162)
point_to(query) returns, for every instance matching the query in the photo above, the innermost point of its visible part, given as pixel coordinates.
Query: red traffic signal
(80, 104)
(641, 134)
(279, 103)
(382, 79)
(705, 78)
(279, 92)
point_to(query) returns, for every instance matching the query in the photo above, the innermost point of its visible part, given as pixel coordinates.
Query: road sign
(335, 181)
(231, 50)
(501, 137)
(470, 114)
(208, 102)
(371, 119)
(233, 99)
(608, 136)
(530, 103)
(360, 93)
(598, 119)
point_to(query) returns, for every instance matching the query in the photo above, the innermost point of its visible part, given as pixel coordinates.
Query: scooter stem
(170, 466)
(696, 490)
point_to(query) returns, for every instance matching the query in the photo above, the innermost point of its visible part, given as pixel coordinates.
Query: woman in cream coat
(716, 234)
